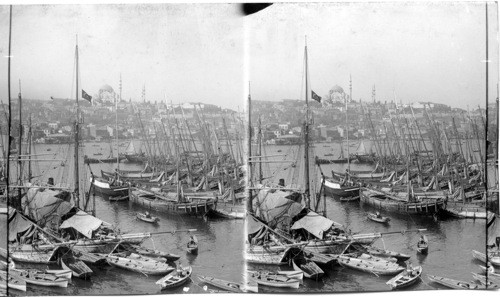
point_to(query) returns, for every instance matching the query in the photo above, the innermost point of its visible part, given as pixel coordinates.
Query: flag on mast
(86, 96)
(315, 96)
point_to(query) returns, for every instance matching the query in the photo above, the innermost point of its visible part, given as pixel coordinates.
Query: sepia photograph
(289, 147)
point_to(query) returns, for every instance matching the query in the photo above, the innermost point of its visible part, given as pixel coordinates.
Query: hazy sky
(181, 52)
(198, 52)
(421, 51)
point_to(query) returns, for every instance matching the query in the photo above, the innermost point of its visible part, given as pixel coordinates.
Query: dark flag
(86, 96)
(315, 96)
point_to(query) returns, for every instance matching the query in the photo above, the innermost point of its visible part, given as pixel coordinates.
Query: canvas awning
(315, 224)
(253, 226)
(274, 207)
(17, 224)
(44, 206)
(83, 223)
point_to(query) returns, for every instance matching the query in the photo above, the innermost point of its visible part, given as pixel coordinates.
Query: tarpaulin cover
(44, 207)
(314, 224)
(83, 223)
(274, 207)
(253, 226)
(17, 224)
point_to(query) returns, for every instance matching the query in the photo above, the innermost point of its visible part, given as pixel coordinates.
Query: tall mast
(19, 142)
(347, 125)
(77, 177)
(116, 126)
(249, 152)
(307, 193)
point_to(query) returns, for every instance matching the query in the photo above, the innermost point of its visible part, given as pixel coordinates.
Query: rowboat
(147, 218)
(145, 267)
(222, 284)
(293, 274)
(322, 259)
(78, 268)
(374, 251)
(39, 278)
(405, 278)
(146, 258)
(309, 268)
(378, 218)
(155, 253)
(64, 273)
(11, 282)
(377, 259)
(489, 269)
(423, 245)
(451, 283)
(492, 257)
(492, 282)
(370, 267)
(175, 278)
(274, 280)
(192, 245)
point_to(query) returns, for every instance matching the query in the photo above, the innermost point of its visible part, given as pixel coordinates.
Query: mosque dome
(336, 89)
(106, 88)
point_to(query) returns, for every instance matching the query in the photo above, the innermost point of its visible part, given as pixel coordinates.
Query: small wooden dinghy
(146, 258)
(349, 199)
(147, 218)
(405, 278)
(11, 282)
(175, 278)
(118, 198)
(374, 258)
(64, 273)
(423, 245)
(192, 245)
(451, 283)
(378, 218)
(492, 282)
(293, 274)
(370, 267)
(222, 284)
(309, 268)
(78, 268)
(155, 253)
(273, 280)
(489, 269)
(145, 267)
(374, 251)
(39, 278)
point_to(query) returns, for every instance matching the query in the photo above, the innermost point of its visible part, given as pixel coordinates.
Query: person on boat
(378, 215)
(147, 215)
(422, 240)
(191, 241)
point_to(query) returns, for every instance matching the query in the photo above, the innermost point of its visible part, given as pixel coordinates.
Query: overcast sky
(198, 52)
(419, 51)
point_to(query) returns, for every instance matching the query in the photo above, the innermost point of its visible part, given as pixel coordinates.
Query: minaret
(120, 87)
(350, 87)
(373, 93)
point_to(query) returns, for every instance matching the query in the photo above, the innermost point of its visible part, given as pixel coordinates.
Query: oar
(174, 231)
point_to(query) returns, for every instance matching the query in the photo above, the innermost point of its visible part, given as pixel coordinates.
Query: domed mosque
(106, 94)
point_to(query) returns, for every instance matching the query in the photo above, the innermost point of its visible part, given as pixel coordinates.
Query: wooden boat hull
(417, 208)
(29, 254)
(383, 220)
(145, 267)
(11, 282)
(221, 284)
(370, 267)
(175, 278)
(155, 253)
(103, 188)
(199, 207)
(273, 280)
(79, 269)
(405, 279)
(40, 279)
(333, 188)
(385, 253)
(309, 268)
(144, 218)
(451, 283)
